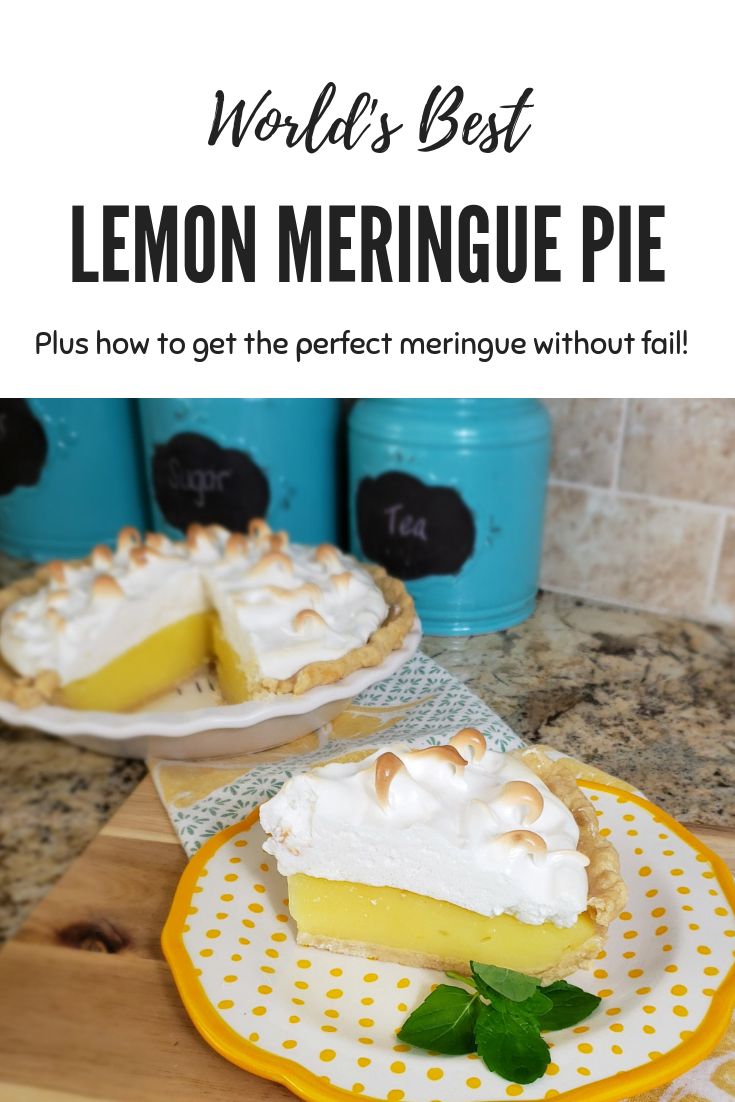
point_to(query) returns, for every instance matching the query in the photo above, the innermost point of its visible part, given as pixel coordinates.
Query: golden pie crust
(606, 897)
(30, 692)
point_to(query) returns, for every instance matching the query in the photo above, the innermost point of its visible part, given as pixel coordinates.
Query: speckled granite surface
(648, 698)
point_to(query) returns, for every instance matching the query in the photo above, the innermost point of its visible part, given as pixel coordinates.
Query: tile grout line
(636, 495)
(617, 602)
(709, 592)
(619, 445)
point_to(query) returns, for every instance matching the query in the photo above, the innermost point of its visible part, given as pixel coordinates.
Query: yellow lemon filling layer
(345, 911)
(161, 662)
(152, 667)
(236, 677)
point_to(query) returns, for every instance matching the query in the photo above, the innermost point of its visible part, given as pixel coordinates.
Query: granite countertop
(645, 697)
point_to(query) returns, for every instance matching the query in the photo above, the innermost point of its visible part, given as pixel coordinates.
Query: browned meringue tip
(448, 754)
(57, 597)
(236, 546)
(387, 766)
(101, 556)
(57, 571)
(308, 619)
(217, 532)
(139, 556)
(309, 590)
(156, 541)
(327, 555)
(524, 795)
(105, 587)
(472, 739)
(279, 541)
(127, 538)
(272, 558)
(194, 534)
(342, 581)
(55, 619)
(259, 528)
(524, 839)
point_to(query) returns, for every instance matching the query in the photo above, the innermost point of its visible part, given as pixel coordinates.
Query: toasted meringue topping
(279, 541)
(217, 533)
(55, 619)
(236, 546)
(259, 528)
(399, 818)
(105, 588)
(309, 622)
(448, 754)
(197, 535)
(387, 767)
(342, 581)
(469, 738)
(525, 840)
(128, 538)
(101, 557)
(158, 542)
(523, 795)
(328, 556)
(273, 560)
(57, 597)
(57, 572)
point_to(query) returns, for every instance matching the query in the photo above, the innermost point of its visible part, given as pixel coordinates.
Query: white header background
(108, 104)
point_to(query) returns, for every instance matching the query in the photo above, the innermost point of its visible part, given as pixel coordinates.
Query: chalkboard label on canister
(197, 481)
(23, 445)
(412, 529)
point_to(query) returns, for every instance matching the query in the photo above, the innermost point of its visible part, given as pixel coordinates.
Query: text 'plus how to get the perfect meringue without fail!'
(305, 348)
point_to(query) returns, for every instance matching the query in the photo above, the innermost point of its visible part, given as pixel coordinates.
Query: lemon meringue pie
(116, 629)
(439, 856)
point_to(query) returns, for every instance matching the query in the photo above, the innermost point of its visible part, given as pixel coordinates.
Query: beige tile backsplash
(641, 505)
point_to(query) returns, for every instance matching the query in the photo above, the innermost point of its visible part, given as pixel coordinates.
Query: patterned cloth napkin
(419, 705)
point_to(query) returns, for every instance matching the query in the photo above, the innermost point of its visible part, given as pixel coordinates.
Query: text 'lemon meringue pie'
(439, 856)
(116, 629)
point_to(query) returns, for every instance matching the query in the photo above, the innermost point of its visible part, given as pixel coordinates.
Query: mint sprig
(501, 1021)
(444, 1022)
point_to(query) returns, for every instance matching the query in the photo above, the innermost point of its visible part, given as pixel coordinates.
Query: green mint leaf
(536, 1005)
(462, 979)
(510, 1044)
(570, 1005)
(444, 1022)
(513, 985)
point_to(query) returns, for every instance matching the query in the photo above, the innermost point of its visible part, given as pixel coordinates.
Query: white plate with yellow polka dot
(325, 1025)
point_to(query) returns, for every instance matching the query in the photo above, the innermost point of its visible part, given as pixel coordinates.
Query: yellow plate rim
(307, 1085)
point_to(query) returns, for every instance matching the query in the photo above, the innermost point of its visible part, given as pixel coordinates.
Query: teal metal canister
(228, 460)
(448, 494)
(70, 474)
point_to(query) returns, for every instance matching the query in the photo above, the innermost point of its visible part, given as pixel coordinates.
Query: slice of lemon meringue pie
(116, 629)
(439, 856)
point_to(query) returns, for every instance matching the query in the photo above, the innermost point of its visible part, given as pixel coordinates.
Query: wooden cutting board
(88, 1009)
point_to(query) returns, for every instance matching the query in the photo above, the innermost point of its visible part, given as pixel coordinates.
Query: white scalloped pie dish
(193, 723)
